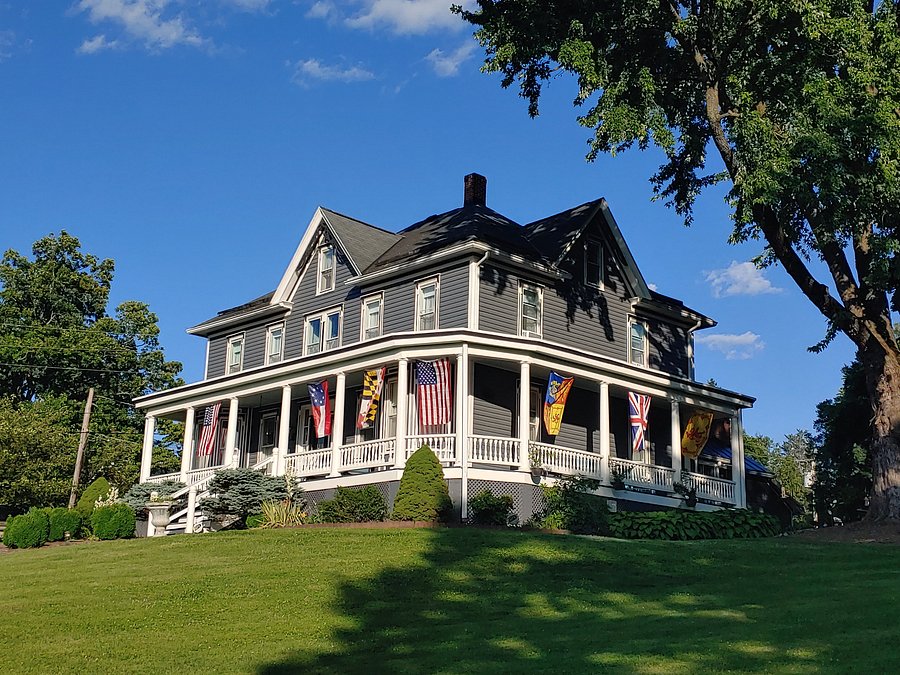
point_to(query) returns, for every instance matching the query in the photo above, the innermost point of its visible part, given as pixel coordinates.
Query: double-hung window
(235, 353)
(426, 305)
(530, 310)
(593, 263)
(274, 343)
(372, 313)
(323, 331)
(326, 269)
(637, 342)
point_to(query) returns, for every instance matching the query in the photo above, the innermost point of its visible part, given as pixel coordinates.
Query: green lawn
(448, 601)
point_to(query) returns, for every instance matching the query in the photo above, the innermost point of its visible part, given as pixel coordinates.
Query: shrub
(423, 493)
(255, 520)
(139, 494)
(569, 505)
(488, 509)
(115, 521)
(353, 505)
(29, 530)
(96, 490)
(281, 514)
(681, 525)
(64, 520)
(241, 492)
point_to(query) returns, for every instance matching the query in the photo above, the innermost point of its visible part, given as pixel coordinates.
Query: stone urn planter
(158, 512)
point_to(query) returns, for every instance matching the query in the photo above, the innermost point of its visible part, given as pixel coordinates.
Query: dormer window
(326, 269)
(593, 263)
(426, 305)
(637, 342)
(235, 353)
(530, 310)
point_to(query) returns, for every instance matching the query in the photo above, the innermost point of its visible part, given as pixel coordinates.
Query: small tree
(96, 490)
(241, 492)
(423, 493)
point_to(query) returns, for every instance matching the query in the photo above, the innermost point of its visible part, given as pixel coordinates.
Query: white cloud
(739, 279)
(408, 17)
(7, 42)
(652, 287)
(144, 21)
(323, 9)
(248, 5)
(734, 347)
(313, 69)
(447, 65)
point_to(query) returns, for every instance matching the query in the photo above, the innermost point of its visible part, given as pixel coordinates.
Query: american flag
(433, 392)
(321, 408)
(639, 411)
(208, 429)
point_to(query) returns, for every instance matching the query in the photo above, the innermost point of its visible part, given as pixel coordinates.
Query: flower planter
(159, 517)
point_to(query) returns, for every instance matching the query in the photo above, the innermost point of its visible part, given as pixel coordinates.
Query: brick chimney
(475, 193)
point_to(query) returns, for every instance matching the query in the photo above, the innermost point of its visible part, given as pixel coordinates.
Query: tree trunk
(883, 382)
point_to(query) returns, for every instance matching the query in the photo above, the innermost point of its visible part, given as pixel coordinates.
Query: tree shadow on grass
(492, 601)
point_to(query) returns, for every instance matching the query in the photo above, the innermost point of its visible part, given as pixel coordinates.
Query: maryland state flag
(696, 434)
(555, 402)
(373, 380)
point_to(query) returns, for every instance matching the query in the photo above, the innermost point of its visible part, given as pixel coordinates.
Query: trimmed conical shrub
(96, 490)
(423, 493)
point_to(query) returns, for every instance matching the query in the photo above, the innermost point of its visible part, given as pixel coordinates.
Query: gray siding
(495, 402)
(668, 347)
(215, 364)
(580, 427)
(254, 348)
(453, 310)
(400, 299)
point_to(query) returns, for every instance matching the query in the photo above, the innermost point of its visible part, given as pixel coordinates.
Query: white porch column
(147, 450)
(462, 425)
(191, 510)
(524, 417)
(284, 427)
(402, 410)
(604, 433)
(738, 474)
(676, 440)
(229, 459)
(337, 425)
(187, 445)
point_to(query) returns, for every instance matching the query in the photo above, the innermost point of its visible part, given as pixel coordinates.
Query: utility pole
(82, 441)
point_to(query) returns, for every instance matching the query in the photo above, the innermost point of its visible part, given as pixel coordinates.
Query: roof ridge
(357, 220)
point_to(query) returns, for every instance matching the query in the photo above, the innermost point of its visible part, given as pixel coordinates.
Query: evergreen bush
(241, 493)
(138, 494)
(683, 525)
(30, 530)
(353, 505)
(96, 490)
(115, 521)
(423, 493)
(64, 520)
(489, 509)
(569, 505)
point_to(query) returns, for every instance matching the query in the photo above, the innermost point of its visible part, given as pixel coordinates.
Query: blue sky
(191, 142)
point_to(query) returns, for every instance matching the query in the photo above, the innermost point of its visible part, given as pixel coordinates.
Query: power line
(46, 327)
(31, 366)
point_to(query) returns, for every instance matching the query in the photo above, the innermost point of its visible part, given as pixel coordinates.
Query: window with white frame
(323, 331)
(426, 305)
(235, 353)
(274, 343)
(593, 263)
(637, 342)
(531, 300)
(326, 269)
(372, 316)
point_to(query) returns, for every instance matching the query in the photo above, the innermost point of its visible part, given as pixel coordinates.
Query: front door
(306, 431)
(268, 431)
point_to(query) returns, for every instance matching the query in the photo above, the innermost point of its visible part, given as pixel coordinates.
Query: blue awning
(750, 464)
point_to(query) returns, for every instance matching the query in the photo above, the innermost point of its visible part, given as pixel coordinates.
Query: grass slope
(448, 601)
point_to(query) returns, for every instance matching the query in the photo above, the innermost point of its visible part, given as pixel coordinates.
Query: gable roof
(363, 243)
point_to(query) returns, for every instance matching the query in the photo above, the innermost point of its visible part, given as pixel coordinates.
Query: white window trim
(323, 316)
(632, 321)
(364, 314)
(324, 247)
(593, 240)
(436, 280)
(237, 337)
(269, 330)
(540, 294)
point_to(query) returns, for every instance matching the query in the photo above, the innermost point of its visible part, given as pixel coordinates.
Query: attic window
(593, 263)
(326, 269)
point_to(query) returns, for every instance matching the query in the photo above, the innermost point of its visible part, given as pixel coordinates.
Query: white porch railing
(494, 450)
(643, 475)
(163, 477)
(566, 461)
(367, 455)
(708, 487)
(309, 463)
(443, 445)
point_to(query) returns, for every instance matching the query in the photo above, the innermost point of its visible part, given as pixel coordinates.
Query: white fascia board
(362, 356)
(215, 325)
(290, 274)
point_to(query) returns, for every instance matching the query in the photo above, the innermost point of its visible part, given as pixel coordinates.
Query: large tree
(58, 339)
(797, 101)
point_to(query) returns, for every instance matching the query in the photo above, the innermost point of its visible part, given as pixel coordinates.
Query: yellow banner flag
(696, 434)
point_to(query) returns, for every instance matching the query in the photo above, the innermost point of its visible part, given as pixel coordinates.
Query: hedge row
(684, 525)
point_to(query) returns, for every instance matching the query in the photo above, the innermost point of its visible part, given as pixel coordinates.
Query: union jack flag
(638, 411)
(208, 430)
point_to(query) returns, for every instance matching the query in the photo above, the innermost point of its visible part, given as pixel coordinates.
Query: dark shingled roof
(472, 222)
(364, 242)
(554, 235)
(261, 301)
